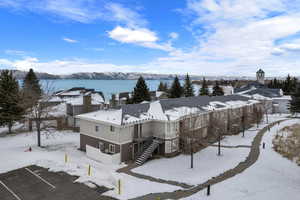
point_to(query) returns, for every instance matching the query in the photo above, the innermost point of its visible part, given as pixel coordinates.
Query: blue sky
(205, 37)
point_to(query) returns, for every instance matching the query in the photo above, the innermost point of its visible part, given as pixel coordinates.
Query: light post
(219, 145)
(243, 124)
(192, 155)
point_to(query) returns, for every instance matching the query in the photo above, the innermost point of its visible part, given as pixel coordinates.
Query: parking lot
(36, 183)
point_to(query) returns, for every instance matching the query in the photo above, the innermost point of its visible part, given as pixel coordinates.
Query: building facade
(165, 127)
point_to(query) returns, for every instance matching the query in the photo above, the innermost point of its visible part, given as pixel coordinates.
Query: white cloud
(131, 28)
(139, 36)
(69, 40)
(83, 11)
(127, 16)
(128, 35)
(173, 35)
(236, 36)
(66, 66)
(15, 52)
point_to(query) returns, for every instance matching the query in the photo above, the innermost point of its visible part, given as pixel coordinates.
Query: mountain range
(123, 76)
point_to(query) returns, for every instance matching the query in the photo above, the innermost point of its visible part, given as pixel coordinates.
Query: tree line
(16, 102)
(141, 91)
(288, 85)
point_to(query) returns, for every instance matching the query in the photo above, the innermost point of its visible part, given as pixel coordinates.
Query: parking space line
(14, 194)
(40, 178)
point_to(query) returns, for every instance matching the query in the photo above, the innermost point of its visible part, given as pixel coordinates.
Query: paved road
(36, 183)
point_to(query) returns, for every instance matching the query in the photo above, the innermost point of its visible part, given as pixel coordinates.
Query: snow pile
(287, 142)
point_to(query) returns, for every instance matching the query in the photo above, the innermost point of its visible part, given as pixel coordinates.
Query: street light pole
(192, 155)
(243, 123)
(219, 145)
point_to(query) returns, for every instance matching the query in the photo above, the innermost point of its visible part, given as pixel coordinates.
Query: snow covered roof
(257, 89)
(265, 92)
(166, 109)
(74, 96)
(96, 99)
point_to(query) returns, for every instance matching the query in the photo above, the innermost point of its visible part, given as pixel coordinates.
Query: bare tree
(258, 114)
(41, 110)
(267, 106)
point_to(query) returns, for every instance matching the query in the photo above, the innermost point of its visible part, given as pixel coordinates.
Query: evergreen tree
(166, 87)
(294, 85)
(176, 90)
(188, 88)
(32, 91)
(288, 84)
(295, 102)
(161, 86)
(204, 88)
(217, 90)
(141, 92)
(10, 100)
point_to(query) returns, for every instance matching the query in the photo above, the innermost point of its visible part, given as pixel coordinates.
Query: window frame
(112, 148)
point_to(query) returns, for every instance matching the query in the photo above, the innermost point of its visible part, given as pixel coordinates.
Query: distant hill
(123, 76)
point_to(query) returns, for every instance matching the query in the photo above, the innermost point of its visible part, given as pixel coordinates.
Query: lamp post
(243, 124)
(192, 155)
(219, 145)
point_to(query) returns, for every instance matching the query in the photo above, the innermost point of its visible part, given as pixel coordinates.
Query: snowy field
(271, 177)
(13, 155)
(206, 165)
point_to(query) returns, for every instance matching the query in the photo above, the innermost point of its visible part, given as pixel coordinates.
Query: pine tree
(295, 102)
(188, 88)
(176, 90)
(160, 86)
(287, 88)
(294, 85)
(32, 91)
(10, 100)
(204, 88)
(217, 90)
(141, 92)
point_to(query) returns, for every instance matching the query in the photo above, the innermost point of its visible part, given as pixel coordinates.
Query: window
(111, 148)
(101, 146)
(174, 145)
(112, 128)
(96, 128)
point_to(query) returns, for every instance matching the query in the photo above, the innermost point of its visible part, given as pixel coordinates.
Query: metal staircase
(148, 152)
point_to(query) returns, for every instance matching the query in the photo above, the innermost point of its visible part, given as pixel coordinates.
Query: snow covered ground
(206, 165)
(235, 140)
(16, 126)
(203, 160)
(271, 177)
(13, 155)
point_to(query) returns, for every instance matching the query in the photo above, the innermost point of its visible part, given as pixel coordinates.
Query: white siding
(118, 136)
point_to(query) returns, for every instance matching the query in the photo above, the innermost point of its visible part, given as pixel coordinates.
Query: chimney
(87, 102)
